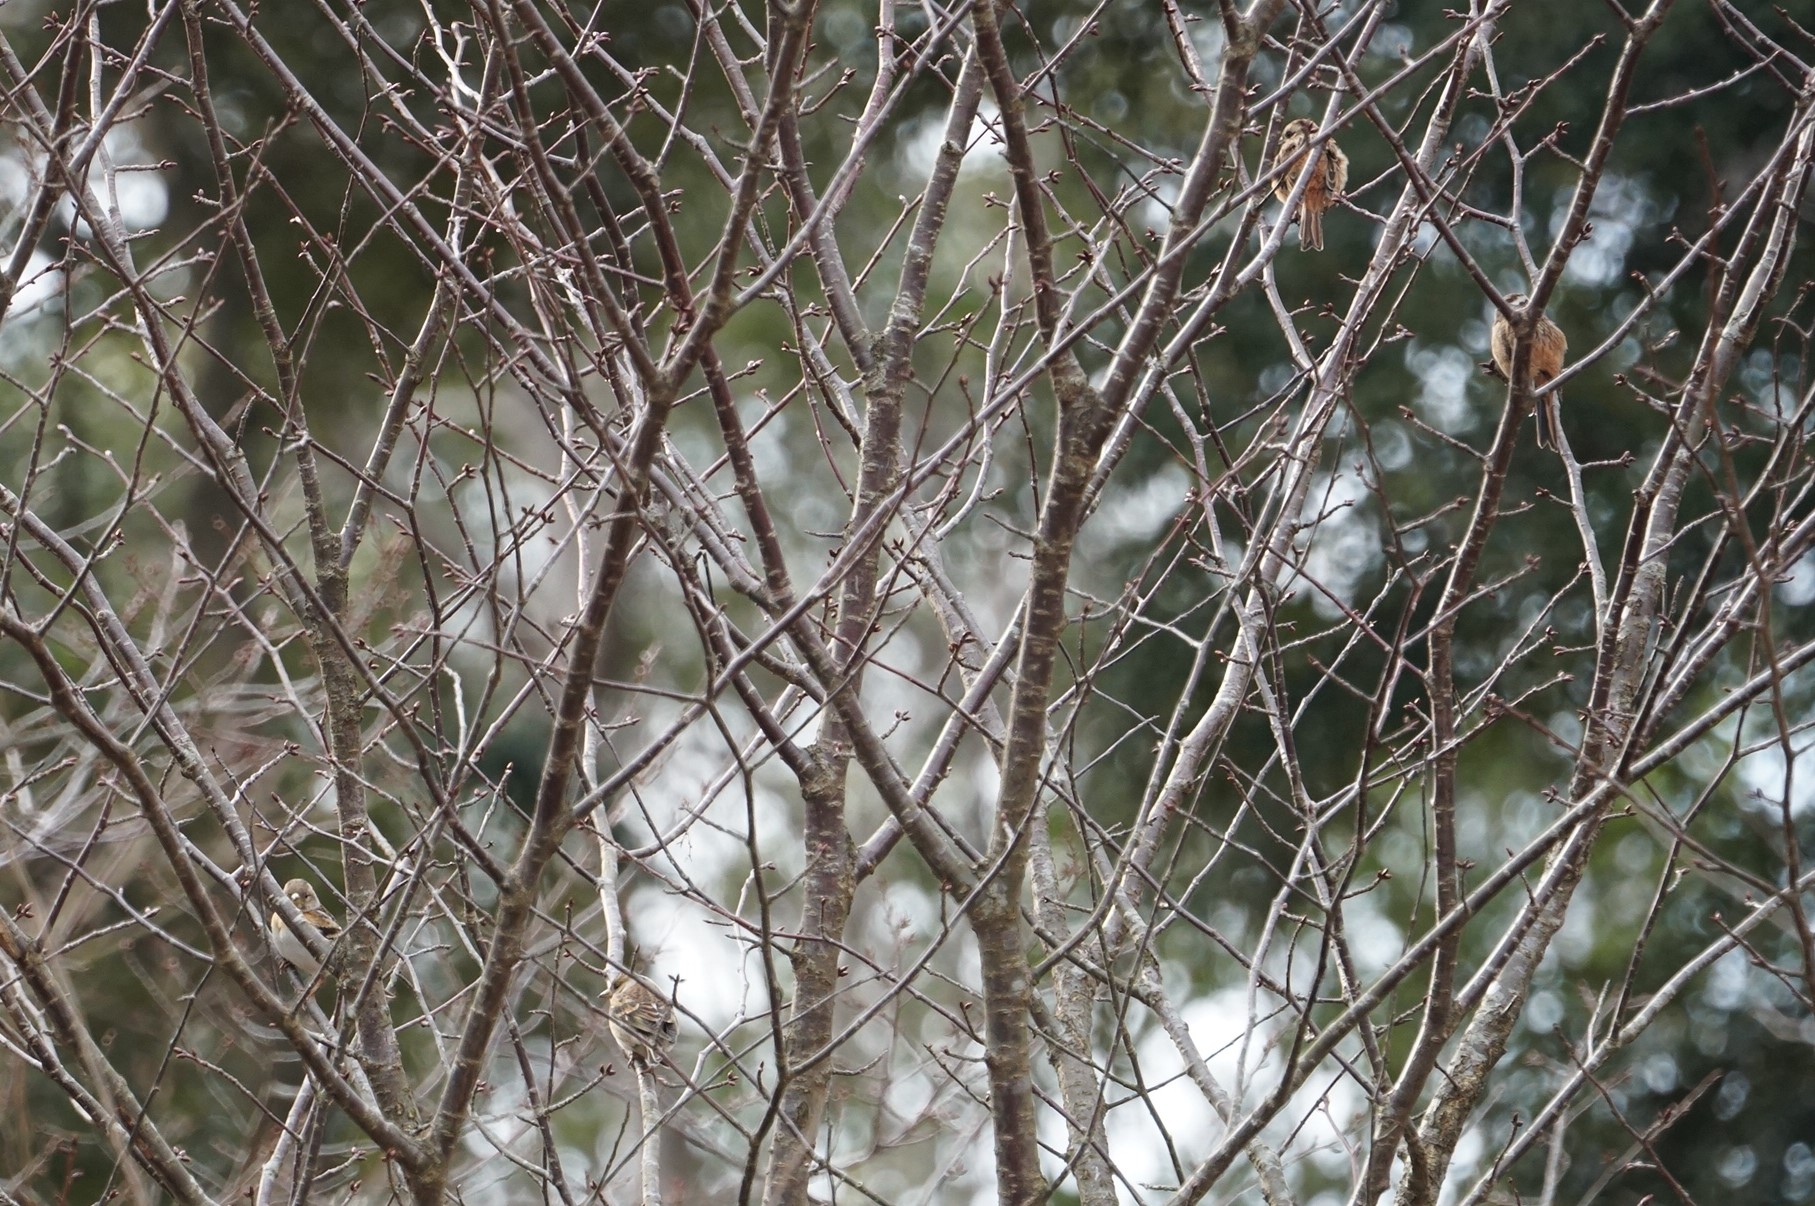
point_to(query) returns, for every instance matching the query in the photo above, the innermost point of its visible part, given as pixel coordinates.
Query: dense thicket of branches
(868, 518)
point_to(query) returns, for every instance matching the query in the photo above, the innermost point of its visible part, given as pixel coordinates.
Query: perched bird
(1542, 365)
(1329, 175)
(288, 946)
(641, 1020)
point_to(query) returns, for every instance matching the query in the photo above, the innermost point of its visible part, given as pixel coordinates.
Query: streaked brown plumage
(288, 946)
(1329, 176)
(641, 1021)
(1542, 364)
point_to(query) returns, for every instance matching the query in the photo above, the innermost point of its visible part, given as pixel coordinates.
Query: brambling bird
(289, 947)
(1542, 364)
(641, 1020)
(1329, 175)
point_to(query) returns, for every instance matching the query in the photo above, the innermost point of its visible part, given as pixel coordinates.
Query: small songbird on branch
(289, 947)
(1329, 175)
(641, 1020)
(1542, 365)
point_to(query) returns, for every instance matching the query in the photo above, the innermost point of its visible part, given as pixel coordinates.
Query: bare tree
(867, 523)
